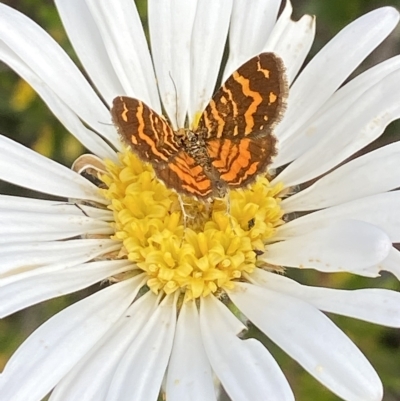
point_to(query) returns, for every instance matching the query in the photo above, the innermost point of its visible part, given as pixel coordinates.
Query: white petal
(292, 40)
(381, 210)
(364, 121)
(66, 116)
(228, 355)
(369, 174)
(318, 126)
(24, 167)
(124, 39)
(46, 58)
(26, 290)
(281, 25)
(98, 366)
(171, 26)
(348, 245)
(189, 373)
(251, 24)
(373, 305)
(18, 203)
(89, 139)
(24, 259)
(147, 357)
(56, 346)
(23, 227)
(309, 337)
(208, 40)
(329, 68)
(392, 263)
(88, 45)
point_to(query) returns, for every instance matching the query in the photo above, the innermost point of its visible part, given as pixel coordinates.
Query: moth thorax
(196, 147)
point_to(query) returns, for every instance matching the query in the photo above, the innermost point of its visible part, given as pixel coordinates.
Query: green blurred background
(25, 118)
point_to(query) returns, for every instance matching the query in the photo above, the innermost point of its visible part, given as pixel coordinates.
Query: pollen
(186, 245)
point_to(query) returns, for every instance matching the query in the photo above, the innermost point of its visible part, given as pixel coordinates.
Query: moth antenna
(176, 99)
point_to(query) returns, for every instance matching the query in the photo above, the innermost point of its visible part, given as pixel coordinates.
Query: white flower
(115, 345)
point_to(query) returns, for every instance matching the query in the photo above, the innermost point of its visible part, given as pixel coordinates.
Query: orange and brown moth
(233, 142)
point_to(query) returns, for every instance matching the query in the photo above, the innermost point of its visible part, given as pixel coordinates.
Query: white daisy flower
(168, 321)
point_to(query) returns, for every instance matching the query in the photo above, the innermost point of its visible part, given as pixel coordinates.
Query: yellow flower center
(203, 253)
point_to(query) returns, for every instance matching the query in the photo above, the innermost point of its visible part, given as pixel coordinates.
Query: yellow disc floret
(191, 246)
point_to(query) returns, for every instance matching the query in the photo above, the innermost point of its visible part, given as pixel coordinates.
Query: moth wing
(147, 133)
(250, 102)
(186, 176)
(240, 161)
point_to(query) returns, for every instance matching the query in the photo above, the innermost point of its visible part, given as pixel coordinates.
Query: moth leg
(185, 215)
(227, 200)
